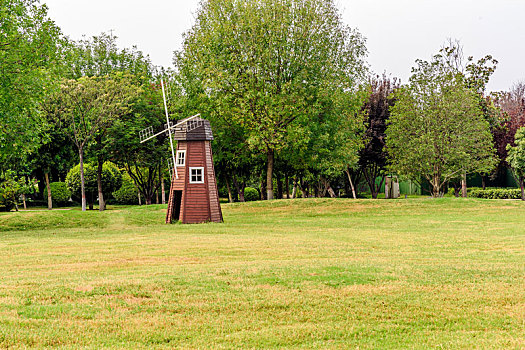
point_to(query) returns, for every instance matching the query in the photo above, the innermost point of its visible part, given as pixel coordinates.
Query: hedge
(59, 193)
(491, 193)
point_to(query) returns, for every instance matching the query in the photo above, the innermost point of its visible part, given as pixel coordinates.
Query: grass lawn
(319, 273)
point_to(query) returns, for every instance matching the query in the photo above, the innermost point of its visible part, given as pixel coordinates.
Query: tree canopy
(437, 130)
(267, 64)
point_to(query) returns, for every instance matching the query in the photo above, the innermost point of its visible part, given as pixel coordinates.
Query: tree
(437, 130)
(111, 180)
(373, 156)
(99, 56)
(512, 103)
(29, 51)
(516, 159)
(90, 104)
(268, 63)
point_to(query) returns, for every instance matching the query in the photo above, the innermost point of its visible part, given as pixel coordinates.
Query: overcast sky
(398, 32)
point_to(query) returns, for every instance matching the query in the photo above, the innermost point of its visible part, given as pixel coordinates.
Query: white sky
(397, 31)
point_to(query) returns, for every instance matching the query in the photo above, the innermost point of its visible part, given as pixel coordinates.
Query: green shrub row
(495, 193)
(491, 193)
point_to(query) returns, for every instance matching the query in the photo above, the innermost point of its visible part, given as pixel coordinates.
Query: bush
(495, 193)
(8, 194)
(59, 192)
(111, 181)
(127, 193)
(251, 194)
(491, 193)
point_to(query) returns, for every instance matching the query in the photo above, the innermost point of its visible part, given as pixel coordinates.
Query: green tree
(265, 64)
(30, 48)
(90, 104)
(437, 130)
(516, 159)
(111, 180)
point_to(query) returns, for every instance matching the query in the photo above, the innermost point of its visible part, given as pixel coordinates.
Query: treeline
(294, 109)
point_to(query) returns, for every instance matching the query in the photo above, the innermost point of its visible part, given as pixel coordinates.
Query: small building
(194, 197)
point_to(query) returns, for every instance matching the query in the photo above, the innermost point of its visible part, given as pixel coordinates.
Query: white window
(181, 158)
(197, 175)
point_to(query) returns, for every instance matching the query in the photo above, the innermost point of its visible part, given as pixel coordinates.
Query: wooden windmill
(193, 197)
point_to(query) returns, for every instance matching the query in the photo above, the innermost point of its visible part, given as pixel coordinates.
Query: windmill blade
(171, 166)
(146, 134)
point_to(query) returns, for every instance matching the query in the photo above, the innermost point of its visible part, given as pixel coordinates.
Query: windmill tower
(193, 194)
(193, 197)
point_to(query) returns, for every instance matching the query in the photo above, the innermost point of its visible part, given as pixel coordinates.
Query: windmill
(193, 197)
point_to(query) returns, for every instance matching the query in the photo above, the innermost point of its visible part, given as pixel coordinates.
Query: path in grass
(414, 273)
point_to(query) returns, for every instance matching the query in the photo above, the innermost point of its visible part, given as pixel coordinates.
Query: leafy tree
(111, 180)
(29, 50)
(512, 103)
(516, 158)
(373, 156)
(266, 64)
(141, 161)
(99, 56)
(437, 129)
(90, 104)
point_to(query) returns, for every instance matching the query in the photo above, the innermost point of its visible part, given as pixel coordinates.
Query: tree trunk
(483, 185)
(269, 175)
(436, 188)
(101, 202)
(82, 183)
(294, 188)
(522, 186)
(464, 185)
(351, 183)
(163, 190)
(279, 188)
(240, 188)
(148, 200)
(24, 200)
(48, 186)
(140, 198)
(263, 190)
(287, 184)
(228, 187)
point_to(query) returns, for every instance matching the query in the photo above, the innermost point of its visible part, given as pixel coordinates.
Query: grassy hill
(316, 273)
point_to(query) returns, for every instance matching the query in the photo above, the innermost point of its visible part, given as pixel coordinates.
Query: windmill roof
(197, 129)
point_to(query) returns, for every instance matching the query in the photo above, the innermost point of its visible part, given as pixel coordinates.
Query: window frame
(183, 159)
(201, 168)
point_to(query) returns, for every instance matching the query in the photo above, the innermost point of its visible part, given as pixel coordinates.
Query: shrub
(59, 192)
(127, 193)
(251, 194)
(8, 194)
(494, 193)
(111, 180)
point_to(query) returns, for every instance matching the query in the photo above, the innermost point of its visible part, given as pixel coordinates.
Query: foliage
(437, 129)
(373, 156)
(516, 158)
(59, 192)
(512, 103)
(9, 192)
(265, 65)
(91, 104)
(494, 193)
(251, 194)
(111, 180)
(127, 193)
(29, 52)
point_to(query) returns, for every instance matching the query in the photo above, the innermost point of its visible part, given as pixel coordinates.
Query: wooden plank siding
(200, 201)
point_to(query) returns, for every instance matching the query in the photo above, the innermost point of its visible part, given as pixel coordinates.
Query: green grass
(320, 273)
